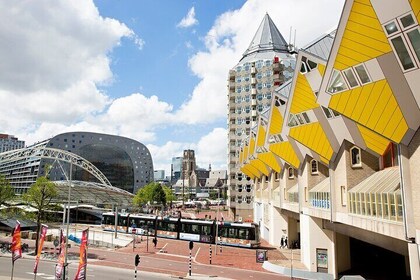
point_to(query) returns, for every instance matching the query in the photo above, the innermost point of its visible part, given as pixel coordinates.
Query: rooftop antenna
(294, 42)
(290, 36)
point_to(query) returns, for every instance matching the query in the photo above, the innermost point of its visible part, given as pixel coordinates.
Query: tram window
(251, 234)
(243, 233)
(232, 233)
(223, 232)
(195, 229)
(206, 230)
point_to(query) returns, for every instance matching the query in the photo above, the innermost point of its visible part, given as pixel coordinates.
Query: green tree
(158, 195)
(6, 191)
(153, 193)
(143, 195)
(40, 196)
(170, 196)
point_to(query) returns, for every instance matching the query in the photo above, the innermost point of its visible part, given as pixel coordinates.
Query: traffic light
(191, 245)
(137, 260)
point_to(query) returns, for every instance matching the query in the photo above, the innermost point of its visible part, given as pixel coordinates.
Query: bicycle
(6, 248)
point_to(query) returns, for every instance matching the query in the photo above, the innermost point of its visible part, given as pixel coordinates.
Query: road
(24, 270)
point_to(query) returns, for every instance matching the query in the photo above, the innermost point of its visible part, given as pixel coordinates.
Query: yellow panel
(245, 152)
(276, 121)
(369, 21)
(363, 37)
(254, 170)
(371, 102)
(345, 58)
(369, 31)
(321, 69)
(303, 97)
(351, 103)
(400, 131)
(261, 136)
(334, 101)
(260, 166)
(285, 151)
(383, 122)
(361, 102)
(369, 51)
(247, 172)
(313, 137)
(270, 159)
(415, 5)
(365, 9)
(354, 54)
(250, 171)
(343, 100)
(380, 107)
(373, 141)
(251, 146)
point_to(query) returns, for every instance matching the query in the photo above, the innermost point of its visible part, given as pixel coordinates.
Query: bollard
(189, 265)
(210, 253)
(220, 246)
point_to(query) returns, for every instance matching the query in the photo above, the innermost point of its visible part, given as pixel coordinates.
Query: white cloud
(230, 36)
(188, 20)
(53, 56)
(210, 149)
(189, 45)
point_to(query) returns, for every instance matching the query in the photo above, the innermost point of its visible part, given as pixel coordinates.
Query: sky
(154, 71)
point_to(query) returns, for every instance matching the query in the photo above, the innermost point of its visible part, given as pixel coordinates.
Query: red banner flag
(16, 243)
(81, 271)
(60, 262)
(44, 229)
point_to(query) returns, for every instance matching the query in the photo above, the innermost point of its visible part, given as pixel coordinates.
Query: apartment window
(291, 173)
(404, 35)
(337, 83)
(277, 176)
(239, 176)
(248, 188)
(239, 188)
(389, 158)
(314, 167)
(248, 199)
(343, 196)
(330, 113)
(355, 156)
(305, 190)
(351, 78)
(232, 198)
(362, 74)
(239, 199)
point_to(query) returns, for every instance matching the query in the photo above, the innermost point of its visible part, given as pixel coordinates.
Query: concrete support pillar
(317, 242)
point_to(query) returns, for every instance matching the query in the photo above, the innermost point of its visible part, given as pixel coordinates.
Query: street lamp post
(68, 222)
(217, 217)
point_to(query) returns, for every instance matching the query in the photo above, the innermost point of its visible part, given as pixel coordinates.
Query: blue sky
(154, 71)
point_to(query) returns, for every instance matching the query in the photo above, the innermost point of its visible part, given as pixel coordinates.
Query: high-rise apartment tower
(266, 64)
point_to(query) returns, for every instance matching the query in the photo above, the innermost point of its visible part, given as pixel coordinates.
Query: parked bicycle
(6, 248)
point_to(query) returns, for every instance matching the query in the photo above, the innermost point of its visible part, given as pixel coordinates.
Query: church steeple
(267, 38)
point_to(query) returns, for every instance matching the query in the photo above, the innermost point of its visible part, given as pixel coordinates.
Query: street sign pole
(210, 254)
(191, 246)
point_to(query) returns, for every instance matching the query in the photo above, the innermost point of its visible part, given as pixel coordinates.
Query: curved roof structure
(267, 38)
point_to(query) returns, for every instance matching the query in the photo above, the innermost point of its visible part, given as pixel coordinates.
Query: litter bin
(261, 256)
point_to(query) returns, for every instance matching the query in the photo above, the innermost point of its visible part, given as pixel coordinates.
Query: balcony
(253, 70)
(253, 81)
(253, 91)
(254, 102)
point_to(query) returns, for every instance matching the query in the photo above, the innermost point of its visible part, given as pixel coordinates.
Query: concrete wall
(314, 237)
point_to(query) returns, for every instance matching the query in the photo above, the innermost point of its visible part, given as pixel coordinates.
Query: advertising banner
(44, 229)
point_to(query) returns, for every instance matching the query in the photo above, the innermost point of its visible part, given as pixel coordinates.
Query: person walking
(154, 242)
(285, 242)
(281, 242)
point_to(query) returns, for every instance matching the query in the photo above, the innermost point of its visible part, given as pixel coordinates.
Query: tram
(229, 233)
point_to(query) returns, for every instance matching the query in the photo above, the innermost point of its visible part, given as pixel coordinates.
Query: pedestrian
(285, 242)
(154, 241)
(282, 242)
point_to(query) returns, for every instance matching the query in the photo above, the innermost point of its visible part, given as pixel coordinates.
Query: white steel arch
(41, 151)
